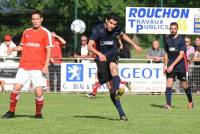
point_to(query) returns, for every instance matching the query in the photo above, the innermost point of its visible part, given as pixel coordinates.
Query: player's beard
(173, 34)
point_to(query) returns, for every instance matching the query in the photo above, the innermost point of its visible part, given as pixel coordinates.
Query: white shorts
(36, 76)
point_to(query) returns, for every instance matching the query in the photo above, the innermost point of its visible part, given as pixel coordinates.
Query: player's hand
(53, 34)
(138, 49)
(170, 68)
(164, 70)
(102, 57)
(45, 70)
(121, 47)
(157, 59)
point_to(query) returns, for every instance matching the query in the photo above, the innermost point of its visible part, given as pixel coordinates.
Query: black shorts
(103, 70)
(180, 75)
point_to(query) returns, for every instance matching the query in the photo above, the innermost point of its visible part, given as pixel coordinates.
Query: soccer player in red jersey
(35, 46)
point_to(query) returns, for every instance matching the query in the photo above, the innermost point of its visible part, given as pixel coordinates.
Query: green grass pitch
(76, 114)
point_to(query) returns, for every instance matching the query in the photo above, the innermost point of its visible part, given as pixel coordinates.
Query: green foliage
(58, 14)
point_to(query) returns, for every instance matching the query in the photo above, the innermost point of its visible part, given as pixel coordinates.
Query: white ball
(78, 26)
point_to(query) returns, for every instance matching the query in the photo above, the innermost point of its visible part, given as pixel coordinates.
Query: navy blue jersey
(173, 46)
(105, 40)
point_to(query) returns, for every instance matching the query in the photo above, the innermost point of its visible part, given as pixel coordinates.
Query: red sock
(95, 87)
(123, 82)
(13, 101)
(39, 104)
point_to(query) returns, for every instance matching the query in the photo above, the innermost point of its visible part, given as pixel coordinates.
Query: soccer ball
(78, 26)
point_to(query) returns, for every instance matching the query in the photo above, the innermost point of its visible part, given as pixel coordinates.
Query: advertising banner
(144, 77)
(156, 20)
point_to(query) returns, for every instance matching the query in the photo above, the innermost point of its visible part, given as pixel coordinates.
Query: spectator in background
(124, 50)
(190, 49)
(197, 42)
(2, 83)
(5, 46)
(155, 53)
(56, 60)
(82, 51)
(196, 71)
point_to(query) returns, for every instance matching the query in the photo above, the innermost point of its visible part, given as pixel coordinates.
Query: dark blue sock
(117, 104)
(168, 95)
(115, 82)
(188, 92)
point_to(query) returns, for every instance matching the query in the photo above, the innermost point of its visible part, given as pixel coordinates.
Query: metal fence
(8, 69)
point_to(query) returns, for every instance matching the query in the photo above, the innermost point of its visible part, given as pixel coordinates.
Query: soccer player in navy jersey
(175, 64)
(105, 36)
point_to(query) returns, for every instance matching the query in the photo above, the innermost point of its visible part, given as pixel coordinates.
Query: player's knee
(112, 93)
(185, 85)
(17, 87)
(39, 98)
(38, 91)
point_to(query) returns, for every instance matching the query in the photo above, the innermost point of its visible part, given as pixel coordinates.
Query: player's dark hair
(198, 37)
(174, 23)
(37, 12)
(112, 16)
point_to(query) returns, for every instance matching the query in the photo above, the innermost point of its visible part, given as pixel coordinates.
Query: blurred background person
(2, 83)
(124, 50)
(55, 62)
(5, 46)
(190, 49)
(155, 53)
(197, 42)
(196, 68)
(82, 50)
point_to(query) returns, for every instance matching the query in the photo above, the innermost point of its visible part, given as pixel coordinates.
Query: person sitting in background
(124, 50)
(190, 49)
(196, 61)
(56, 60)
(5, 45)
(155, 53)
(2, 83)
(197, 42)
(82, 51)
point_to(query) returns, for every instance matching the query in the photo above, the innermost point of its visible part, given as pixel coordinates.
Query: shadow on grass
(25, 116)
(20, 116)
(162, 106)
(158, 106)
(95, 117)
(97, 97)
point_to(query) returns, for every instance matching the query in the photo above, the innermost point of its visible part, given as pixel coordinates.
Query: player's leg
(115, 79)
(21, 78)
(127, 83)
(102, 75)
(96, 86)
(183, 78)
(39, 102)
(168, 91)
(114, 92)
(38, 80)
(92, 95)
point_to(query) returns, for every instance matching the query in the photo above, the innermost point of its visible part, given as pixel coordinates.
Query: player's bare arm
(181, 55)
(48, 57)
(165, 61)
(59, 38)
(126, 38)
(94, 51)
